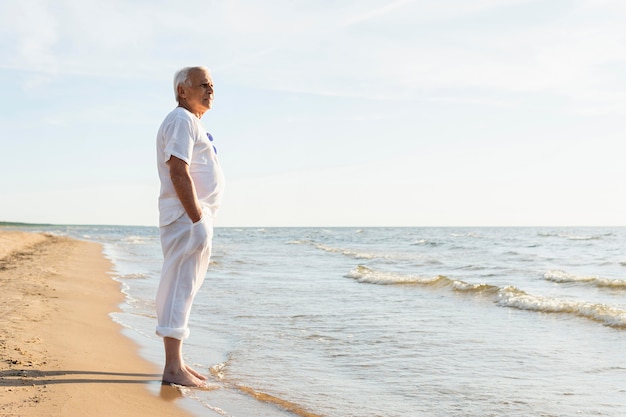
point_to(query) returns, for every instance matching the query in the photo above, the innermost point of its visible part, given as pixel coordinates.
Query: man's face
(199, 96)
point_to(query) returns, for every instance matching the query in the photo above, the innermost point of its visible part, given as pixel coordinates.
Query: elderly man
(191, 188)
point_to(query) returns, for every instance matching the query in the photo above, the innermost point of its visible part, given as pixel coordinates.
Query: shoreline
(61, 354)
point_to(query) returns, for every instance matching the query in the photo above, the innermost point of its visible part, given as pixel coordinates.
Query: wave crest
(516, 298)
(347, 252)
(570, 236)
(563, 277)
(370, 276)
(510, 296)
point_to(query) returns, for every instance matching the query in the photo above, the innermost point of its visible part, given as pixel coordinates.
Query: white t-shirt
(182, 135)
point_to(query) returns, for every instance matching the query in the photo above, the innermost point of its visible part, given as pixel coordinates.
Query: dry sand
(60, 352)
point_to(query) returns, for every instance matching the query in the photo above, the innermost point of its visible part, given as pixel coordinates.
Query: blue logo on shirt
(211, 139)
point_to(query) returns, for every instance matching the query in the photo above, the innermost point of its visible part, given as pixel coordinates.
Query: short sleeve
(179, 140)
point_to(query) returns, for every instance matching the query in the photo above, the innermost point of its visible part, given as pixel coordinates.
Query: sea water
(390, 322)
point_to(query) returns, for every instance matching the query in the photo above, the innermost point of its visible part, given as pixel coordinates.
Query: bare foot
(182, 377)
(195, 373)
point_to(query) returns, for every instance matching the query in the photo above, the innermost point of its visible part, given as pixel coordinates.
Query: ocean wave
(360, 254)
(468, 234)
(510, 296)
(291, 407)
(605, 314)
(563, 277)
(425, 242)
(137, 275)
(570, 236)
(138, 239)
(348, 252)
(218, 371)
(370, 276)
(296, 242)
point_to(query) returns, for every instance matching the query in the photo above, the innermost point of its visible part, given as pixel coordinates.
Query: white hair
(182, 77)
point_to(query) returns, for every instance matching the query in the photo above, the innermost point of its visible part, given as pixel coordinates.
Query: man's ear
(181, 91)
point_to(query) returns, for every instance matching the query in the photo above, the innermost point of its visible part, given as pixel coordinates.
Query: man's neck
(197, 114)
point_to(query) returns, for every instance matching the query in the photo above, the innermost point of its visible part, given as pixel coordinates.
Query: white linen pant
(186, 253)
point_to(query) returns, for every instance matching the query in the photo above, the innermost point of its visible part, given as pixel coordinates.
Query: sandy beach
(61, 354)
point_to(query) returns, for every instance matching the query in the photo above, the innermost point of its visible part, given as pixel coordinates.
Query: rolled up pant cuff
(179, 333)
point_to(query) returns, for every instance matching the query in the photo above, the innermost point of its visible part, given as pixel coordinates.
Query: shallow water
(394, 321)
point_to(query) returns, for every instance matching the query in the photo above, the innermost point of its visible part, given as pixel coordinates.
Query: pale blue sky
(327, 113)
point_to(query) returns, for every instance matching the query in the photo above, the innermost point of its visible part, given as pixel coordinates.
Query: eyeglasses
(208, 135)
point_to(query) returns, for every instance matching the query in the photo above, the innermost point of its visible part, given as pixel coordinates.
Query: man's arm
(183, 184)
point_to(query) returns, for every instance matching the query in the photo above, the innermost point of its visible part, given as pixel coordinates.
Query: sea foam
(509, 296)
(563, 277)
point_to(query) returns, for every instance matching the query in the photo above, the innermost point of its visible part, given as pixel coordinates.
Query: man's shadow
(34, 377)
(20, 377)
